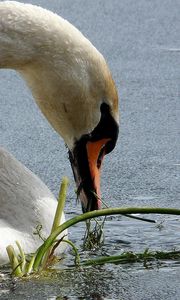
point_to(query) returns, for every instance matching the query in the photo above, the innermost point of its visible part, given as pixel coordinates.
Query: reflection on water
(105, 281)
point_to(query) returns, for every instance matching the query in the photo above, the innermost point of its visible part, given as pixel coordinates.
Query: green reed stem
(130, 257)
(93, 214)
(15, 264)
(58, 214)
(61, 203)
(77, 257)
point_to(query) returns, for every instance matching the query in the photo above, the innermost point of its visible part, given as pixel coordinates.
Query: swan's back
(22, 189)
(25, 202)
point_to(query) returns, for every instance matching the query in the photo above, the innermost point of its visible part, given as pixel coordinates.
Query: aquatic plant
(44, 256)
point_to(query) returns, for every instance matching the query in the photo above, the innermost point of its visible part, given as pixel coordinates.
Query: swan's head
(87, 155)
(93, 128)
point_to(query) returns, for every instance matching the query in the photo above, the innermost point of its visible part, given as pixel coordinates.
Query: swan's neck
(31, 34)
(65, 72)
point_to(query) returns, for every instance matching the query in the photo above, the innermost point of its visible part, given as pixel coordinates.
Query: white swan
(25, 203)
(73, 87)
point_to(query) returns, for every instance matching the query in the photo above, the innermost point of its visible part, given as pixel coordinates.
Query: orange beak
(87, 155)
(95, 155)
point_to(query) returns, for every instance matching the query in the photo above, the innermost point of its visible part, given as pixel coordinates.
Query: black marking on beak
(107, 128)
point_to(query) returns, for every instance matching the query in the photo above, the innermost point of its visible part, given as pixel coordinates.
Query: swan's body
(72, 86)
(25, 203)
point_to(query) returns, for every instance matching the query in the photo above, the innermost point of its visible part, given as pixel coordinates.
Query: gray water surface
(155, 280)
(140, 40)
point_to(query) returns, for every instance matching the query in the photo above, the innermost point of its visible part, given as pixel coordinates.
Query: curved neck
(30, 34)
(65, 72)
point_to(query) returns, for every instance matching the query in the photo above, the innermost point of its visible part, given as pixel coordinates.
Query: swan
(26, 204)
(73, 87)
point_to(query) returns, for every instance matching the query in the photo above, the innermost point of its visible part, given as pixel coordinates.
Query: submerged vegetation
(23, 265)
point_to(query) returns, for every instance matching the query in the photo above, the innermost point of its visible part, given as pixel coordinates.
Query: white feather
(25, 202)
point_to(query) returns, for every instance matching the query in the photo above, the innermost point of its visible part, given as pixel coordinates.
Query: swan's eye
(100, 157)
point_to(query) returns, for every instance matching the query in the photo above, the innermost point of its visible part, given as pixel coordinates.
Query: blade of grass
(23, 258)
(126, 215)
(77, 257)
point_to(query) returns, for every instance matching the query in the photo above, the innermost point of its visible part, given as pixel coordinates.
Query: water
(140, 40)
(110, 281)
